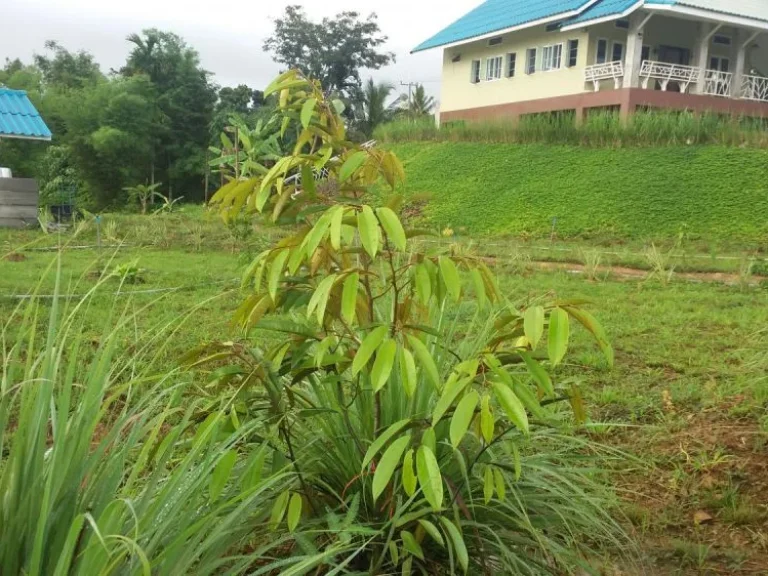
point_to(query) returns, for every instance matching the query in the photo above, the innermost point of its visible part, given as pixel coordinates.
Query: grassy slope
(717, 192)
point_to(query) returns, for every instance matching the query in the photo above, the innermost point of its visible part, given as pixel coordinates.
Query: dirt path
(625, 273)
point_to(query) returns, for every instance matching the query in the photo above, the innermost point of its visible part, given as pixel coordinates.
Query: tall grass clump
(113, 465)
(598, 128)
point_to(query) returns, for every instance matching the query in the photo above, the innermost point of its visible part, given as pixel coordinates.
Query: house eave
(602, 19)
(710, 16)
(532, 24)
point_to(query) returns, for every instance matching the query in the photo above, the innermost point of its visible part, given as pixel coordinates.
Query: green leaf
(533, 325)
(518, 463)
(407, 371)
(294, 512)
(423, 283)
(457, 541)
(477, 280)
(393, 554)
(315, 236)
(278, 509)
(221, 474)
(368, 227)
(501, 489)
(319, 299)
(407, 565)
(382, 366)
(462, 417)
(368, 347)
(540, 376)
(529, 400)
(450, 276)
(378, 444)
(452, 389)
(426, 360)
(430, 479)
(276, 272)
(349, 297)
(351, 165)
(386, 467)
(337, 219)
(512, 406)
(409, 476)
(308, 180)
(392, 226)
(307, 110)
(410, 544)
(488, 484)
(487, 423)
(429, 439)
(432, 530)
(590, 323)
(558, 335)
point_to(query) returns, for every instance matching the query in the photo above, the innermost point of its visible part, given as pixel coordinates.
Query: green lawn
(687, 397)
(710, 192)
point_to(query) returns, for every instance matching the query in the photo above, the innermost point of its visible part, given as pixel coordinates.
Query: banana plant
(250, 151)
(432, 435)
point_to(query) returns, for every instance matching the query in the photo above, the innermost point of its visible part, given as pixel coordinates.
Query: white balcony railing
(665, 73)
(754, 88)
(606, 71)
(717, 83)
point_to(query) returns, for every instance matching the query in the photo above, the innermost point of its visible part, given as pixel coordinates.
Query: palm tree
(372, 108)
(420, 104)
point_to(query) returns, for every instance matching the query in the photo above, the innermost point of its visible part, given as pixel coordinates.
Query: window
(553, 27)
(495, 41)
(511, 64)
(720, 64)
(646, 53)
(721, 39)
(530, 61)
(623, 24)
(618, 52)
(573, 53)
(602, 51)
(493, 68)
(551, 57)
(475, 77)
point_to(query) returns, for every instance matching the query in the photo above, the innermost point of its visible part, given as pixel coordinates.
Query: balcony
(664, 77)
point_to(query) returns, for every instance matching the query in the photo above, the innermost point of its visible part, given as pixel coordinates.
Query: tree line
(159, 118)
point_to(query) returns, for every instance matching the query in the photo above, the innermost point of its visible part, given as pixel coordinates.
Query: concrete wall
(18, 202)
(459, 93)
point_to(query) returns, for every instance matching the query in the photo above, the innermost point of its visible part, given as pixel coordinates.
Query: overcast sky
(228, 35)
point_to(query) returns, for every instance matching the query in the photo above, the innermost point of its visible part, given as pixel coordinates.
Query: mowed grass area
(710, 193)
(688, 395)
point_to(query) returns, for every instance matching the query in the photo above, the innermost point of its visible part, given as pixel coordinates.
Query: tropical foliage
(415, 446)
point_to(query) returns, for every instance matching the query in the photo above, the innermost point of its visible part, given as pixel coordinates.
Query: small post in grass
(554, 227)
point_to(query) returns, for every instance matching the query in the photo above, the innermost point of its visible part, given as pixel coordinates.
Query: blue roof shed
(19, 118)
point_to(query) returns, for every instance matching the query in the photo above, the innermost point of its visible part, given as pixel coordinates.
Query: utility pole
(410, 86)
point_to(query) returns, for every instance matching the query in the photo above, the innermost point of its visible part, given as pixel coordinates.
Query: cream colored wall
(459, 93)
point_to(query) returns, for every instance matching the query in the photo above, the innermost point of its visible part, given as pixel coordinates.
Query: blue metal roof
(608, 8)
(19, 118)
(495, 15)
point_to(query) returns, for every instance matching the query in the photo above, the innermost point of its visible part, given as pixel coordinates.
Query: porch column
(634, 55)
(706, 31)
(742, 41)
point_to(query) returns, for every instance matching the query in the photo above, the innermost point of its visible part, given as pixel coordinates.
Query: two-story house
(507, 58)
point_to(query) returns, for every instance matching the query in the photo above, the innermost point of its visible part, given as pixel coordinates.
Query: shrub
(424, 430)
